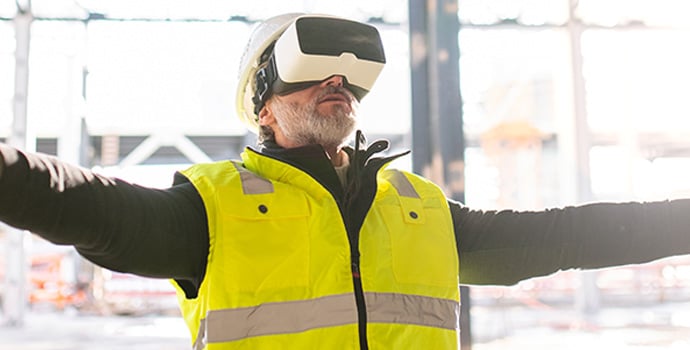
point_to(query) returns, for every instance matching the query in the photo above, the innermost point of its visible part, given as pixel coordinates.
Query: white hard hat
(260, 39)
(302, 50)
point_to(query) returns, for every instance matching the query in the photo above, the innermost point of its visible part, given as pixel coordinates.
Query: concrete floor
(639, 327)
(514, 327)
(65, 331)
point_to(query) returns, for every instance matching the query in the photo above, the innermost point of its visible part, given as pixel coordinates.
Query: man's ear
(266, 116)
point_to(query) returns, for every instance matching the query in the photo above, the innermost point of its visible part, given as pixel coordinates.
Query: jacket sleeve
(120, 226)
(505, 247)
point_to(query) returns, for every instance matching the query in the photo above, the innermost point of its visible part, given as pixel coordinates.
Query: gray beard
(304, 125)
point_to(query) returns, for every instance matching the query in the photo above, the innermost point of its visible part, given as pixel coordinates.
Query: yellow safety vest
(279, 267)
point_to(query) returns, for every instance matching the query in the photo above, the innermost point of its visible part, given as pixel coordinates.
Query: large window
(7, 46)
(529, 71)
(171, 67)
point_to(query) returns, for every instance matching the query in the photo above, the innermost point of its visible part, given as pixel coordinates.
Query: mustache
(331, 90)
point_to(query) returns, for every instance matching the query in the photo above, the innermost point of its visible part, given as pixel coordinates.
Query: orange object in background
(48, 283)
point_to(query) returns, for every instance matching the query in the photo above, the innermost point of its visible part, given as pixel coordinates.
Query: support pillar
(14, 294)
(437, 129)
(587, 297)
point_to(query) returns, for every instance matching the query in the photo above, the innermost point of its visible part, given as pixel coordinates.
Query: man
(307, 243)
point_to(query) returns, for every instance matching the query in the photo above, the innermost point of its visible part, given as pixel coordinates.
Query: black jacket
(164, 233)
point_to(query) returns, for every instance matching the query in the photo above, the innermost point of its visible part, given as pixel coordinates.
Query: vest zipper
(344, 201)
(359, 299)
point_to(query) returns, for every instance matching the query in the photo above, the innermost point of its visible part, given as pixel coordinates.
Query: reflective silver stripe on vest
(200, 341)
(276, 318)
(412, 309)
(252, 183)
(403, 185)
(298, 316)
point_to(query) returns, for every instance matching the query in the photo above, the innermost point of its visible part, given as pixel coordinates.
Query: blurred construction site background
(562, 102)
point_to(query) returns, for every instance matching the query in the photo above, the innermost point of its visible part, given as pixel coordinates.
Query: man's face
(321, 114)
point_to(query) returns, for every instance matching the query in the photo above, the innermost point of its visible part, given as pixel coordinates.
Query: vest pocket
(268, 246)
(423, 250)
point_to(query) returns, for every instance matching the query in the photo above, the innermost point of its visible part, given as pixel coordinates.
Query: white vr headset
(314, 48)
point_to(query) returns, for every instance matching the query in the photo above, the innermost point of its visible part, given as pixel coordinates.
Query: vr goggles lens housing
(315, 48)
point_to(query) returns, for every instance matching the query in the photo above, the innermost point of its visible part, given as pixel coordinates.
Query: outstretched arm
(121, 226)
(505, 247)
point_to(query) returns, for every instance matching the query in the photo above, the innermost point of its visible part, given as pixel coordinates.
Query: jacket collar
(313, 156)
(313, 160)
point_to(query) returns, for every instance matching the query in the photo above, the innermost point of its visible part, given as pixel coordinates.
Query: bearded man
(306, 242)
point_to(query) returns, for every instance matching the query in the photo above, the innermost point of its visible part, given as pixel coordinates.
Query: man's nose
(333, 80)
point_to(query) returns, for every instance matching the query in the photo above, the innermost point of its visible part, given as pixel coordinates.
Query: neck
(335, 154)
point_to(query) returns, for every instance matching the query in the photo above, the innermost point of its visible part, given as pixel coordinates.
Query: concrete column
(587, 296)
(14, 294)
(437, 128)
